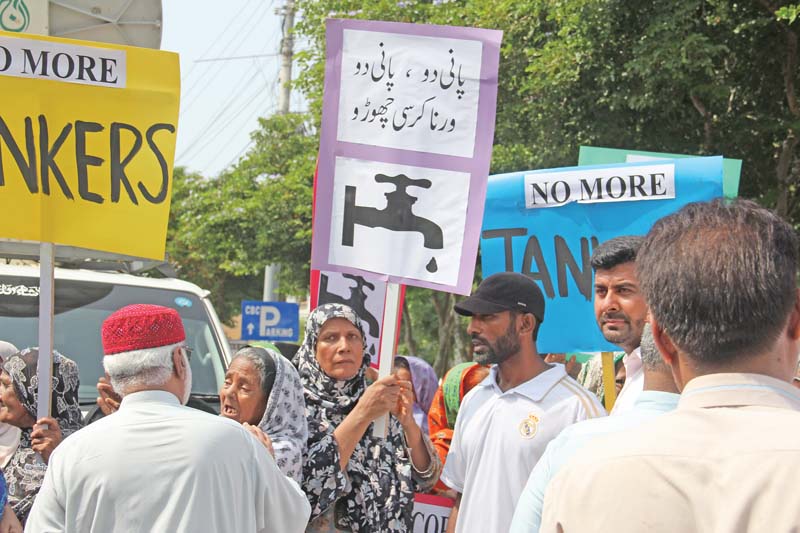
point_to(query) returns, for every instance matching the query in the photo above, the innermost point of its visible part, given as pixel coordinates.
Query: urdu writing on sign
(410, 92)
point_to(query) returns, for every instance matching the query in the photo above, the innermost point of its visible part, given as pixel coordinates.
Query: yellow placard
(87, 143)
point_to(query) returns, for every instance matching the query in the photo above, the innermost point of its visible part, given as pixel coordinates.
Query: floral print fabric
(284, 419)
(25, 472)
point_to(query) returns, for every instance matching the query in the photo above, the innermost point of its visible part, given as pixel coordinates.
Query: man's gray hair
(258, 357)
(139, 369)
(651, 357)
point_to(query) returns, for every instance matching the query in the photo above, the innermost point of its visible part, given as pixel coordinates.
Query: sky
(222, 100)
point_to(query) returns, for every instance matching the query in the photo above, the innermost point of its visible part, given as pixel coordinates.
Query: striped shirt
(499, 437)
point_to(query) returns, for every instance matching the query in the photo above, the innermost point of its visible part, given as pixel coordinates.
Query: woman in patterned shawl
(19, 394)
(357, 482)
(262, 389)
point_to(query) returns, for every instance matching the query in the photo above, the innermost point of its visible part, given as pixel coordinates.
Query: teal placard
(592, 155)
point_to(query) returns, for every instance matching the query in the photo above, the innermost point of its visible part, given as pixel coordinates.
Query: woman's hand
(109, 400)
(9, 523)
(379, 398)
(46, 435)
(262, 437)
(403, 410)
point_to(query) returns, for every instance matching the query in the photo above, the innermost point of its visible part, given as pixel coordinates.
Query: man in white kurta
(156, 465)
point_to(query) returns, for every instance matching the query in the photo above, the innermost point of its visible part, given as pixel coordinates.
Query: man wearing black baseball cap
(505, 423)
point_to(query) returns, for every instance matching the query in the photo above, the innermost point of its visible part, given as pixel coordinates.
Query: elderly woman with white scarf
(262, 390)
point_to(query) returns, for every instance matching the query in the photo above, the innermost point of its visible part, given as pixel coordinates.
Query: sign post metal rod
(46, 314)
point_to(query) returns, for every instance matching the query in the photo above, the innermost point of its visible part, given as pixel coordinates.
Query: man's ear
(664, 343)
(793, 329)
(527, 324)
(178, 362)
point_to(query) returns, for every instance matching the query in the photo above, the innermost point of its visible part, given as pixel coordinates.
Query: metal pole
(46, 313)
(284, 99)
(391, 309)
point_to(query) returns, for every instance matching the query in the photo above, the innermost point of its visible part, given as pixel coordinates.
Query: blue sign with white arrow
(270, 321)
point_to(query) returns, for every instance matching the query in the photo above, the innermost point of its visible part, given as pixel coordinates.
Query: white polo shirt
(499, 437)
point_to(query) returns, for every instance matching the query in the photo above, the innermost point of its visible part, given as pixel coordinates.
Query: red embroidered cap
(141, 326)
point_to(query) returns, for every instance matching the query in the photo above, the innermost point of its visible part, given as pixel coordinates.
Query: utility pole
(284, 100)
(287, 53)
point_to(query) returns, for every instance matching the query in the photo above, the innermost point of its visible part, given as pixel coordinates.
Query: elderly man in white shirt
(620, 310)
(157, 465)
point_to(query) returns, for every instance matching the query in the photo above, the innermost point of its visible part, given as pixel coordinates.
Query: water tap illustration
(398, 214)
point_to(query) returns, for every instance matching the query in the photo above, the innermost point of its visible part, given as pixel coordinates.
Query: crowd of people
(705, 309)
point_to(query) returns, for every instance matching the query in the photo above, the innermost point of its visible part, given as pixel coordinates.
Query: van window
(80, 309)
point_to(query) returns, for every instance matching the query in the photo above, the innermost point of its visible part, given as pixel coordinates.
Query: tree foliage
(687, 76)
(224, 230)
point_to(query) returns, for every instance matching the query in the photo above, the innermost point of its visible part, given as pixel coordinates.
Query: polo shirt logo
(529, 426)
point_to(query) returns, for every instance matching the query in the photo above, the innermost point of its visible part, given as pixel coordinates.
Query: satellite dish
(129, 22)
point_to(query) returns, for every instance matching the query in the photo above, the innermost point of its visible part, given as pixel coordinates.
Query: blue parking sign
(270, 321)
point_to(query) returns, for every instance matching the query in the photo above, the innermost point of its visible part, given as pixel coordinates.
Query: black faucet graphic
(356, 300)
(398, 214)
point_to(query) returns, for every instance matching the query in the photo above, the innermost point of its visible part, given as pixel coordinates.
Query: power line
(206, 136)
(232, 39)
(240, 85)
(234, 57)
(266, 111)
(230, 140)
(190, 96)
(205, 133)
(216, 39)
(238, 155)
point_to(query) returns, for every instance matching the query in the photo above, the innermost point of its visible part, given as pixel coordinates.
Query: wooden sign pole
(391, 313)
(609, 380)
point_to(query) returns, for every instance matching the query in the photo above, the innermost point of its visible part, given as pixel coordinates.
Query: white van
(84, 298)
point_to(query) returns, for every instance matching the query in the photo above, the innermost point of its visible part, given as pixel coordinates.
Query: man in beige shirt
(720, 282)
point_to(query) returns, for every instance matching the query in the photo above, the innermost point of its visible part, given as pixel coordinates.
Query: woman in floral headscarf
(355, 481)
(18, 399)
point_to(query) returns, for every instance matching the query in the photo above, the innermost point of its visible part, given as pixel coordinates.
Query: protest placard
(87, 142)
(593, 155)
(366, 296)
(407, 128)
(431, 513)
(546, 223)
